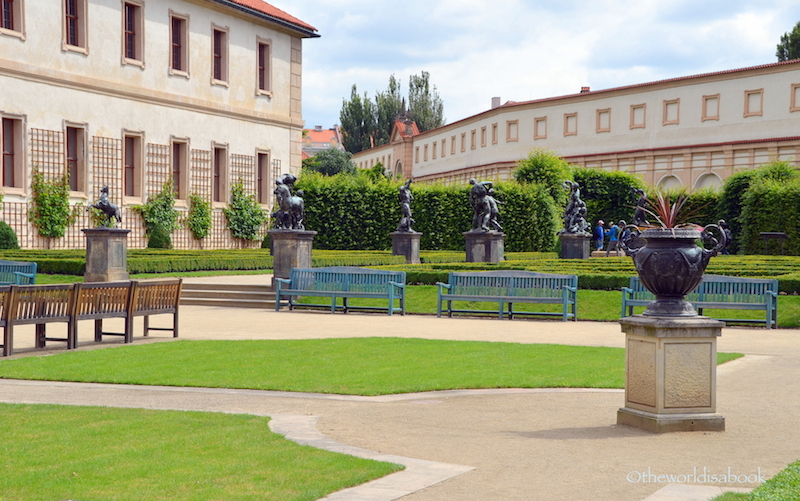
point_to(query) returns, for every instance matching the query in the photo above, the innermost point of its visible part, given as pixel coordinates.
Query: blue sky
(520, 50)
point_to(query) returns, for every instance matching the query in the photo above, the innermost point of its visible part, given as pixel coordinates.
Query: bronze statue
(639, 217)
(406, 197)
(575, 213)
(110, 210)
(291, 208)
(478, 199)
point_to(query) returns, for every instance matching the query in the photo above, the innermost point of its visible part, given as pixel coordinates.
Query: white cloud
(521, 50)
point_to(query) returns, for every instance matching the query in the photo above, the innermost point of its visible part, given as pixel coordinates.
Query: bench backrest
(5, 295)
(31, 303)
(101, 299)
(150, 297)
(717, 288)
(510, 283)
(344, 278)
(8, 269)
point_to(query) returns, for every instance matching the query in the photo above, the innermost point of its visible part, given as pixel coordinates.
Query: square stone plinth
(406, 243)
(670, 373)
(484, 246)
(291, 249)
(106, 254)
(575, 246)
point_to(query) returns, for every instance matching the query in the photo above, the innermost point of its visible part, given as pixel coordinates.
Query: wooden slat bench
(100, 300)
(5, 297)
(17, 272)
(154, 297)
(343, 282)
(39, 305)
(718, 292)
(509, 287)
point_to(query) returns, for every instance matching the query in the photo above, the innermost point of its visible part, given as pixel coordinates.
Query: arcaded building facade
(133, 94)
(692, 131)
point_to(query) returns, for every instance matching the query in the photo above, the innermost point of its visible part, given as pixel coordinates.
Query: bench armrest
(398, 285)
(444, 286)
(30, 276)
(571, 288)
(627, 289)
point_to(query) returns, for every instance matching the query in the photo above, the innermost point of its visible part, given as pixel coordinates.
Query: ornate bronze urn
(670, 264)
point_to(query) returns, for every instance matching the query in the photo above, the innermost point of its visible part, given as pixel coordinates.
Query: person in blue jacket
(613, 239)
(599, 234)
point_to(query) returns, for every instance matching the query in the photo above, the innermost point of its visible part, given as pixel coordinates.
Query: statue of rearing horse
(109, 209)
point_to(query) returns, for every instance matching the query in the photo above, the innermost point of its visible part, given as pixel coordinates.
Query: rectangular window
(180, 169)
(220, 172)
(264, 67)
(452, 145)
(540, 128)
(570, 124)
(11, 18)
(444, 147)
(75, 24)
(133, 33)
(795, 98)
(710, 108)
(11, 139)
(753, 103)
(483, 137)
(512, 131)
(434, 149)
(672, 112)
(262, 178)
(472, 139)
(76, 157)
(220, 55)
(494, 134)
(179, 44)
(603, 120)
(638, 116)
(132, 166)
(463, 142)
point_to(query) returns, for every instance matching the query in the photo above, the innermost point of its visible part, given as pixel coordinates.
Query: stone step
(228, 295)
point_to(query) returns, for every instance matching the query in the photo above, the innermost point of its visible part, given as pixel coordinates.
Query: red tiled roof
(400, 125)
(322, 136)
(265, 8)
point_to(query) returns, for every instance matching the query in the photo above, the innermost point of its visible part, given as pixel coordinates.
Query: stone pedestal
(406, 243)
(671, 374)
(106, 254)
(291, 249)
(485, 246)
(575, 246)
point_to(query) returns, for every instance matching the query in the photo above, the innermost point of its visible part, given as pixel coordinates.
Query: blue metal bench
(17, 273)
(343, 282)
(718, 292)
(509, 287)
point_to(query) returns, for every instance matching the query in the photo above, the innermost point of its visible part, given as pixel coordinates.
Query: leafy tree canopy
(544, 167)
(367, 123)
(789, 48)
(330, 162)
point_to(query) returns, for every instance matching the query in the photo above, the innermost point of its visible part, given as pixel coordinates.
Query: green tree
(199, 218)
(331, 162)
(357, 122)
(160, 217)
(789, 48)
(545, 167)
(387, 106)
(245, 216)
(49, 208)
(424, 104)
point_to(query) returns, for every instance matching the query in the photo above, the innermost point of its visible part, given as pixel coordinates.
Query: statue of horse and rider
(110, 210)
(291, 209)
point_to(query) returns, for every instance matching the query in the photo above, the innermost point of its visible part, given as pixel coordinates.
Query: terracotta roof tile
(270, 10)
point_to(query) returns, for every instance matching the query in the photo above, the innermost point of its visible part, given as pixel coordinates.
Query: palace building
(692, 131)
(131, 95)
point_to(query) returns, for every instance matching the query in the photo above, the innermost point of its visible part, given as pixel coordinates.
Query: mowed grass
(51, 452)
(366, 366)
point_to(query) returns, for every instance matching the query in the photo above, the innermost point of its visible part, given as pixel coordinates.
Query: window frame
(219, 174)
(263, 66)
(18, 154)
(133, 33)
(17, 18)
(634, 124)
(512, 131)
(220, 54)
(706, 115)
(536, 122)
(599, 118)
(665, 119)
(77, 179)
(81, 44)
(263, 181)
(181, 145)
(183, 49)
(754, 113)
(137, 158)
(567, 118)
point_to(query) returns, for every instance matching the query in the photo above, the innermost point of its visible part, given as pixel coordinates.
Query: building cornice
(96, 86)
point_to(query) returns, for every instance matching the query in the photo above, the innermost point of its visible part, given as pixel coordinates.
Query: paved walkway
(491, 444)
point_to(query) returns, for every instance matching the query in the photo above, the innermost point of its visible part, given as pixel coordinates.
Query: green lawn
(367, 366)
(51, 452)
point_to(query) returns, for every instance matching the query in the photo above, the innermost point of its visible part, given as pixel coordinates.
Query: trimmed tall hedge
(355, 212)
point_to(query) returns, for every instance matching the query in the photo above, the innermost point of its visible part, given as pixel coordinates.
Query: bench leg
(98, 330)
(500, 310)
(41, 334)
(146, 328)
(8, 340)
(175, 323)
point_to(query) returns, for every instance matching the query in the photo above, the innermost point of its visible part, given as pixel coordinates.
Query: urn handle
(718, 243)
(633, 232)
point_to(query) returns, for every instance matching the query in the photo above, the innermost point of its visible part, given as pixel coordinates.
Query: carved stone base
(671, 374)
(291, 249)
(575, 246)
(106, 254)
(406, 243)
(484, 246)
